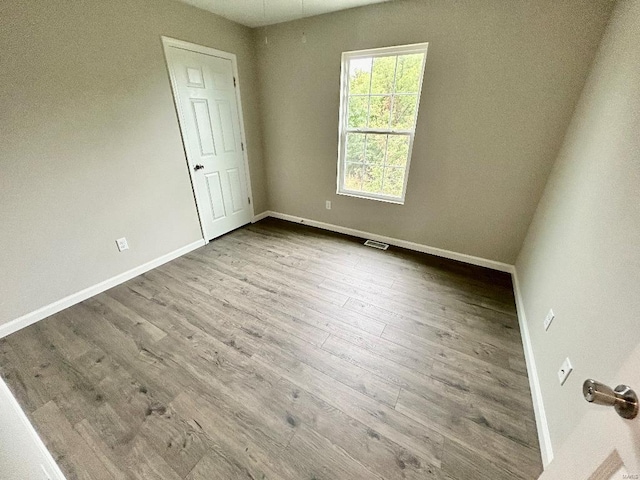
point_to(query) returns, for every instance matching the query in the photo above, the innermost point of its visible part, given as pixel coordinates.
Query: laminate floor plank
(216, 465)
(107, 456)
(253, 332)
(461, 462)
(375, 415)
(233, 298)
(72, 454)
(343, 371)
(418, 361)
(455, 386)
(317, 248)
(237, 437)
(469, 355)
(429, 325)
(329, 308)
(420, 296)
(306, 406)
(296, 407)
(148, 368)
(294, 313)
(501, 441)
(477, 296)
(325, 267)
(412, 268)
(395, 301)
(48, 372)
(26, 388)
(284, 352)
(446, 296)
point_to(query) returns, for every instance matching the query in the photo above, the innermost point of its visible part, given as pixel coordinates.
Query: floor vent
(378, 245)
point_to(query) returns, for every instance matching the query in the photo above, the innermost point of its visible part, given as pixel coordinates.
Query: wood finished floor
(284, 352)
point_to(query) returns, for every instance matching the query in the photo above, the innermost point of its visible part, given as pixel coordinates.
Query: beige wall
(581, 256)
(90, 148)
(501, 82)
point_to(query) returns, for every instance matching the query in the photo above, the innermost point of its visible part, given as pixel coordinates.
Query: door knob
(198, 167)
(622, 398)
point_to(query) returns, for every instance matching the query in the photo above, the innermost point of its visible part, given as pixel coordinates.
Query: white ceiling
(258, 13)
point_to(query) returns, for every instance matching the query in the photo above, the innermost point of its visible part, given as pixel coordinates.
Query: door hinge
(249, 198)
(234, 82)
(242, 145)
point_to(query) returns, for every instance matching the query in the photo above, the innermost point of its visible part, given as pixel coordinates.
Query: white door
(603, 446)
(22, 453)
(204, 88)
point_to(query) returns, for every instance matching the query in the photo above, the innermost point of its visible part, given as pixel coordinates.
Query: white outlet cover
(548, 319)
(328, 204)
(565, 369)
(122, 244)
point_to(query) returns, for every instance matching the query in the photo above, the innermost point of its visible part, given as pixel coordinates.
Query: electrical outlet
(328, 204)
(548, 319)
(122, 244)
(565, 369)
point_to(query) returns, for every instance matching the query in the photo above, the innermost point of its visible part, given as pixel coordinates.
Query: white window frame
(344, 128)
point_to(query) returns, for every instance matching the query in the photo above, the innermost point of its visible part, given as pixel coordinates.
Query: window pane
(398, 150)
(404, 112)
(358, 112)
(376, 145)
(355, 147)
(381, 94)
(353, 176)
(359, 75)
(379, 112)
(393, 181)
(408, 73)
(372, 179)
(384, 69)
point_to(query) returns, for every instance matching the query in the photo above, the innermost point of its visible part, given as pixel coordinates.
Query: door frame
(192, 47)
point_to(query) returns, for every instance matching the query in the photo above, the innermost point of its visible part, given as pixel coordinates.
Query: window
(380, 94)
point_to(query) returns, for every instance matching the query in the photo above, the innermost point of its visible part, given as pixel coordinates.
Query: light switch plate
(565, 369)
(328, 204)
(548, 319)
(122, 244)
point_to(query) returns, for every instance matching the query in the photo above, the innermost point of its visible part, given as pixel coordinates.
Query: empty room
(319, 239)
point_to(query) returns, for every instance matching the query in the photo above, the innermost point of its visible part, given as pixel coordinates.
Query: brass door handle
(622, 398)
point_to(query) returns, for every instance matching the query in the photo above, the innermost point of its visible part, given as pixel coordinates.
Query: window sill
(396, 201)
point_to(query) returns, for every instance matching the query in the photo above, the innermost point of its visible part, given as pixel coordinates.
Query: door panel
(214, 188)
(226, 125)
(603, 442)
(203, 125)
(236, 189)
(205, 94)
(195, 77)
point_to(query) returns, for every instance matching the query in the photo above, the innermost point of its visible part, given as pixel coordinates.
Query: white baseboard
(55, 307)
(462, 257)
(534, 383)
(260, 216)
